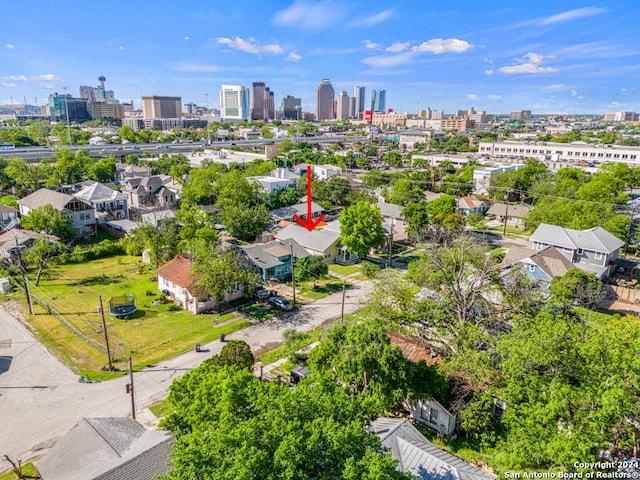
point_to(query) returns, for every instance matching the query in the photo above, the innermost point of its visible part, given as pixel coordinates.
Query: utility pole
(293, 275)
(130, 390)
(106, 337)
(626, 247)
(506, 214)
(391, 243)
(344, 291)
(23, 273)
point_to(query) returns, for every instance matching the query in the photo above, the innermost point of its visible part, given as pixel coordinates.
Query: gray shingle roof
(595, 239)
(43, 197)
(107, 448)
(390, 210)
(419, 457)
(260, 256)
(99, 192)
(516, 211)
(319, 239)
(286, 213)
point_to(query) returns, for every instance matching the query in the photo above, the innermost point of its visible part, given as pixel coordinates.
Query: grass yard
(322, 289)
(344, 269)
(155, 332)
(28, 471)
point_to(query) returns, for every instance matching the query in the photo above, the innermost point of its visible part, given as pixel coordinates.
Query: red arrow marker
(309, 224)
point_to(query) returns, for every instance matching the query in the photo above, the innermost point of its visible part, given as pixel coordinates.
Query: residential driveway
(41, 399)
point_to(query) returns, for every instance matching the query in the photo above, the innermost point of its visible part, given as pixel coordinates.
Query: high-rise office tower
(325, 100)
(379, 101)
(343, 103)
(291, 107)
(234, 102)
(161, 107)
(358, 94)
(262, 106)
(98, 94)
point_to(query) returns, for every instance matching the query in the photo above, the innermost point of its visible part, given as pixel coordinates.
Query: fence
(623, 293)
(65, 321)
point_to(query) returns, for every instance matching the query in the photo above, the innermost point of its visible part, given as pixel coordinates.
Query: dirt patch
(15, 309)
(622, 307)
(266, 348)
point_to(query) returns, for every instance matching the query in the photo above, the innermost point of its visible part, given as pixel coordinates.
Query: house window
(433, 415)
(532, 268)
(580, 251)
(598, 256)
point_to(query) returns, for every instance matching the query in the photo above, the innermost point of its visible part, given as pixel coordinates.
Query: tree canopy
(361, 228)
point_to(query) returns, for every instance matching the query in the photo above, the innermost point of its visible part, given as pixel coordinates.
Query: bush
(79, 254)
(370, 269)
(173, 307)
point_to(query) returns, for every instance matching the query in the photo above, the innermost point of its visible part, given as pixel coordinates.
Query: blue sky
(550, 57)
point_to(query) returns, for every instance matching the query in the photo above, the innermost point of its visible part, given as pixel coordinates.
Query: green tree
(313, 266)
(104, 170)
(245, 223)
(577, 288)
(231, 425)
(361, 228)
(40, 254)
(160, 240)
(217, 271)
(48, 220)
(234, 353)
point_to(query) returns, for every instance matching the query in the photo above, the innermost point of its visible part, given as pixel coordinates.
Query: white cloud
(488, 71)
(47, 80)
(10, 46)
(531, 63)
(472, 96)
(122, 48)
(438, 46)
(382, 61)
(371, 20)
(398, 47)
(293, 57)
(556, 87)
(196, 67)
(572, 15)
(625, 91)
(9, 84)
(310, 16)
(250, 46)
(187, 37)
(370, 45)
(494, 97)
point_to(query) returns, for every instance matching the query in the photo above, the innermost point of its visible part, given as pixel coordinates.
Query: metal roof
(419, 457)
(595, 239)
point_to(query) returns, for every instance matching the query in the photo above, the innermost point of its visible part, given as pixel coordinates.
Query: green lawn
(100, 236)
(344, 269)
(322, 288)
(28, 471)
(153, 333)
(160, 408)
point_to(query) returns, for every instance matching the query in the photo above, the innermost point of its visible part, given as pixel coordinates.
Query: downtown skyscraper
(379, 101)
(325, 99)
(234, 102)
(263, 104)
(359, 102)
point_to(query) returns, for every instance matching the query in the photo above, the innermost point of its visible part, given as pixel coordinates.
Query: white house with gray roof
(592, 250)
(109, 204)
(418, 457)
(80, 213)
(323, 242)
(300, 209)
(107, 449)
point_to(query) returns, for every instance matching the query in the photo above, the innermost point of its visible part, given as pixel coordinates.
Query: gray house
(593, 250)
(107, 449)
(420, 458)
(80, 213)
(540, 266)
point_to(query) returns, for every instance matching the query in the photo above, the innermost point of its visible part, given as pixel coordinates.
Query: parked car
(259, 292)
(280, 303)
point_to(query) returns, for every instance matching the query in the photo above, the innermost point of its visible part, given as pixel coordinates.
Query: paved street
(41, 399)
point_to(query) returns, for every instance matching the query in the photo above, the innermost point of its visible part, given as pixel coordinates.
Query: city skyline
(549, 58)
